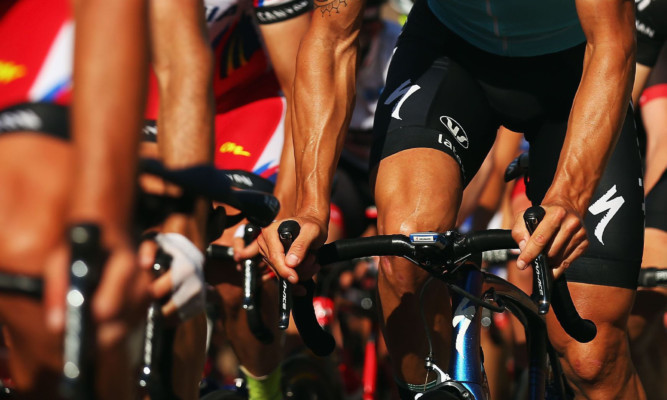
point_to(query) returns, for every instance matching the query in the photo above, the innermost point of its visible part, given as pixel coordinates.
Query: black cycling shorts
(651, 22)
(656, 205)
(656, 199)
(443, 93)
(658, 74)
(47, 118)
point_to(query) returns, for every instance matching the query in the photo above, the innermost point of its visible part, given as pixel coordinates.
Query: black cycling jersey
(651, 22)
(445, 94)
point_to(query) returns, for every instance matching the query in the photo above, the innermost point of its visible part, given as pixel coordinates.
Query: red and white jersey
(242, 72)
(250, 137)
(250, 111)
(36, 51)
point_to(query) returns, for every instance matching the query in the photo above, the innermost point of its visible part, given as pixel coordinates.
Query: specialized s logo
(405, 91)
(10, 71)
(606, 203)
(642, 4)
(463, 316)
(456, 130)
(235, 149)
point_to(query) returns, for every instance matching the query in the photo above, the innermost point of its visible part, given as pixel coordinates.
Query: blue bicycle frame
(465, 373)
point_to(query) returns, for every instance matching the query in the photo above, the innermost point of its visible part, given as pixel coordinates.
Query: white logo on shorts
(403, 91)
(456, 130)
(606, 203)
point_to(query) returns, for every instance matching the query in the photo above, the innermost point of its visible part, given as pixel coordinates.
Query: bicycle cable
(429, 357)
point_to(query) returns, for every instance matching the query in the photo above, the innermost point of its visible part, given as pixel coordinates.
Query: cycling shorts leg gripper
(418, 137)
(614, 220)
(47, 118)
(656, 205)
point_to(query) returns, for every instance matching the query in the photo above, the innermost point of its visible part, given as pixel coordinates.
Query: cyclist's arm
(597, 114)
(182, 61)
(108, 100)
(282, 38)
(282, 41)
(324, 89)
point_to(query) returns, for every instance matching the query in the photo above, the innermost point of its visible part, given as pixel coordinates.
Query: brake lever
(156, 372)
(250, 295)
(543, 276)
(287, 231)
(87, 261)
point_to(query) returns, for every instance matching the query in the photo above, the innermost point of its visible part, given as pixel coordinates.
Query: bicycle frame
(465, 371)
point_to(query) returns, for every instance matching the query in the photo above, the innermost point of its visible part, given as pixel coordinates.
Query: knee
(232, 300)
(399, 275)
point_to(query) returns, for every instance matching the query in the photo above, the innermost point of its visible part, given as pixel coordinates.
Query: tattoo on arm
(327, 6)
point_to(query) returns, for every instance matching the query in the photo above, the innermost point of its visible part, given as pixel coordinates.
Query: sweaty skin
(324, 89)
(323, 95)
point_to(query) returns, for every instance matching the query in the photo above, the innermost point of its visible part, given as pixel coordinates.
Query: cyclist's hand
(561, 234)
(299, 263)
(121, 298)
(184, 280)
(241, 251)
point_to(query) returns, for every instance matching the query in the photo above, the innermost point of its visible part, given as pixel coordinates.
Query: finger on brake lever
(542, 274)
(287, 231)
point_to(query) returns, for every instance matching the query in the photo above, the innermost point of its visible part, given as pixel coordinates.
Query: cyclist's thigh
(35, 171)
(654, 115)
(653, 108)
(189, 357)
(655, 241)
(431, 102)
(36, 175)
(34, 357)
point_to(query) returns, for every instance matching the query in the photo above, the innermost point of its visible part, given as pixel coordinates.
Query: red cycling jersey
(36, 64)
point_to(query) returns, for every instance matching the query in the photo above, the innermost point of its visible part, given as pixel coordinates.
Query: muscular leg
(189, 357)
(415, 190)
(645, 323)
(258, 358)
(601, 369)
(35, 172)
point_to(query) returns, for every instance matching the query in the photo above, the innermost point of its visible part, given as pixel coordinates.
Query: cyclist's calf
(600, 369)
